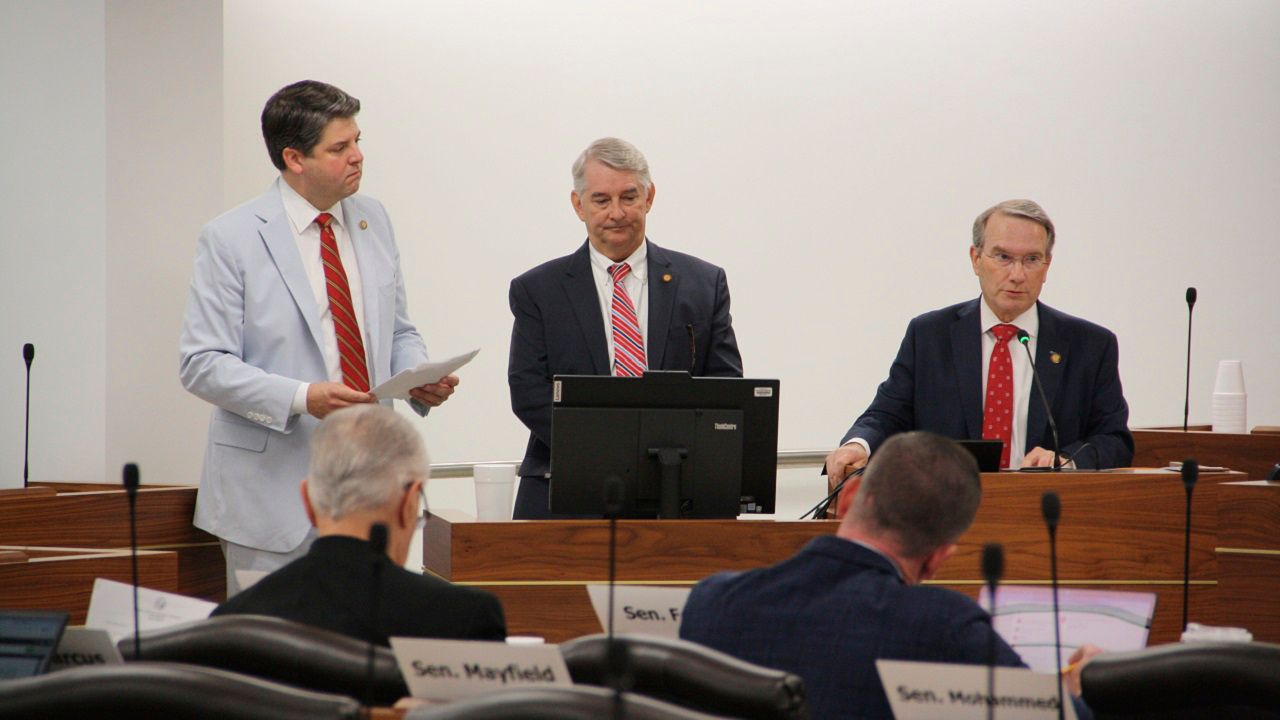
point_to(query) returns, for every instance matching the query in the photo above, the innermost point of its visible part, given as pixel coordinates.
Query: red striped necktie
(355, 368)
(628, 342)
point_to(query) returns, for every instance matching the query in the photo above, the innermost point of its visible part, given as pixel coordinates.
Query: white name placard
(452, 669)
(82, 646)
(942, 691)
(640, 609)
(111, 608)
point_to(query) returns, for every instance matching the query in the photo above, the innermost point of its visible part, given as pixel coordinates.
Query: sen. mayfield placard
(452, 669)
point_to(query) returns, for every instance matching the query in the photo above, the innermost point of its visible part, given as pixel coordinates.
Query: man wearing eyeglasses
(368, 466)
(961, 371)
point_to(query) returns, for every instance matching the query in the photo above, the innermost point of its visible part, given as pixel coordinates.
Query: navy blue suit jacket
(559, 330)
(935, 384)
(828, 613)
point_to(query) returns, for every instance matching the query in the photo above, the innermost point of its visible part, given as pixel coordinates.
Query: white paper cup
(495, 485)
(1230, 378)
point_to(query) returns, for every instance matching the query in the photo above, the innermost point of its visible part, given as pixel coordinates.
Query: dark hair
(924, 491)
(296, 116)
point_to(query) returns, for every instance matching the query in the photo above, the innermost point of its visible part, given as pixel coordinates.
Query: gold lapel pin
(666, 278)
(364, 224)
(1055, 358)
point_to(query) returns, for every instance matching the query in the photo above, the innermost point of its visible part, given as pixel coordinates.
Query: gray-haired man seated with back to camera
(368, 465)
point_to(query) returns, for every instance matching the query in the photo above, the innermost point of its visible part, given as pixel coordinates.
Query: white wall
(831, 156)
(52, 238)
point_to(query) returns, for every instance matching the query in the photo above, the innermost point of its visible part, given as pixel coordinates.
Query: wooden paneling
(1249, 557)
(1253, 454)
(62, 579)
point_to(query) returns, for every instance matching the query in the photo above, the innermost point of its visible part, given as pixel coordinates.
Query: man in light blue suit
(296, 309)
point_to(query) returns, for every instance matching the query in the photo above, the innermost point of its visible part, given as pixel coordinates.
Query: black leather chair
(278, 650)
(693, 676)
(1189, 680)
(556, 703)
(164, 690)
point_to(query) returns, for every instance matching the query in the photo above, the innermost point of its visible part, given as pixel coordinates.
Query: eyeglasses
(1030, 263)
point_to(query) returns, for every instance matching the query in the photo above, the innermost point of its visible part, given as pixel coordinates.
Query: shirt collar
(892, 563)
(301, 212)
(639, 268)
(1029, 320)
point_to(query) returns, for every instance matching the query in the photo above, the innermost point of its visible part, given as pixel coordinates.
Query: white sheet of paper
(640, 609)
(1112, 620)
(81, 646)
(398, 387)
(942, 691)
(452, 669)
(111, 608)
(249, 578)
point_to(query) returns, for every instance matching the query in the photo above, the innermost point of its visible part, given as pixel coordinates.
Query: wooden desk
(1249, 557)
(1119, 531)
(1253, 454)
(82, 516)
(50, 578)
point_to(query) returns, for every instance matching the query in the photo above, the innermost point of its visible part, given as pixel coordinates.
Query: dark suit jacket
(331, 587)
(559, 330)
(828, 613)
(935, 384)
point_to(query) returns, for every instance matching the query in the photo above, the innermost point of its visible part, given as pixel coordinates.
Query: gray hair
(361, 458)
(1028, 209)
(924, 491)
(613, 153)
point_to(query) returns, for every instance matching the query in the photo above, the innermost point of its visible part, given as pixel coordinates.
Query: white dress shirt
(1022, 376)
(302, 221)
(636, 282)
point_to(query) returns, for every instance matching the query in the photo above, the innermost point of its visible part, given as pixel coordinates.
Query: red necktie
(628, 343)
(355, 368)
(997, 412)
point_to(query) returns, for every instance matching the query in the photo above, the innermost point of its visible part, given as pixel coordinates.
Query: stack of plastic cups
(1230, 402)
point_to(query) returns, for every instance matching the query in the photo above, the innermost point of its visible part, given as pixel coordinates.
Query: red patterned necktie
(355, 368)
(628, 343)
(997, 412)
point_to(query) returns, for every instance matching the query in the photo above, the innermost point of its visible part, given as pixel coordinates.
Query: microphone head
(131, 477)
(1190, 473)
(613, 490)
(1191, 297)
(1023, 336)
(378, 538)
(28, 354)
(1051, 508)
(992, 562)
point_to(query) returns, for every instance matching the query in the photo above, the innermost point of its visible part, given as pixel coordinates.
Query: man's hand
(1077, 661)
(325, 397)
(842, 461)
(1040, 457)
(435, 394)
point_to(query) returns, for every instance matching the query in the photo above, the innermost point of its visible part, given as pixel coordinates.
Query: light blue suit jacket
(251, 334)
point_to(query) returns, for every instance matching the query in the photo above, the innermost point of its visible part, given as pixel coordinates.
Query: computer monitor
(713, 439)
(27, 641)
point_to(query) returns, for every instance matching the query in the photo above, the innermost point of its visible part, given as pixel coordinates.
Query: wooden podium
(1119, 531)
(55, 538)
(1253, 454)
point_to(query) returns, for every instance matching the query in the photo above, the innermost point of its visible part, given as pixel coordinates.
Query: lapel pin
(1055, 358)
(364, 224)
(666, 277)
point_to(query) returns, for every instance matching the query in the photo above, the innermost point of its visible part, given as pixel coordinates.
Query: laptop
(986, 452)
(28, 639)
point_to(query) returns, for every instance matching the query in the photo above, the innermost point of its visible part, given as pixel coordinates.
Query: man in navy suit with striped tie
(617, 306)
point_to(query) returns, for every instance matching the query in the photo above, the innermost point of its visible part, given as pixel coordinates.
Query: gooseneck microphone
(131, 491)
(820, 510)
(992, 570)
(28, 354)
(1024, 338)
(378, 544)
(1051, 509)
(617, 659)
(1186, 408)
(1190, 473)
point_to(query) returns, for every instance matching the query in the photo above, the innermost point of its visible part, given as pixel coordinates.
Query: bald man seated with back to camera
(368, 465)
(844, 601)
